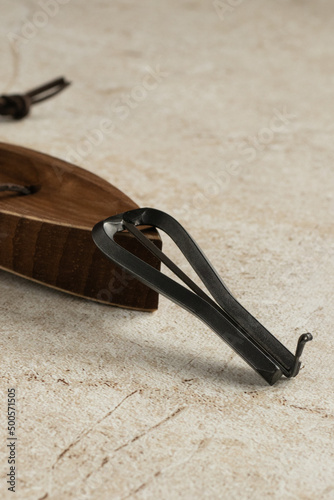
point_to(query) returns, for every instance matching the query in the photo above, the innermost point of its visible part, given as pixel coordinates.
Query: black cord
(16, 188)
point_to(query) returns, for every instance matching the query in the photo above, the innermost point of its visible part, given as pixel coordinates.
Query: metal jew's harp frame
(221, 312)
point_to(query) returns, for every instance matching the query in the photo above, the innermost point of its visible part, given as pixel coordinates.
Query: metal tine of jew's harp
(222, 313)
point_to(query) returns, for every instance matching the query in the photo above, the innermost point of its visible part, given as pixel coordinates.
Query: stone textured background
(234, 137)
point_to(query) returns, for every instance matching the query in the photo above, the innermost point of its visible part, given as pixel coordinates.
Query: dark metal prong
(47, 90)
(306, 337)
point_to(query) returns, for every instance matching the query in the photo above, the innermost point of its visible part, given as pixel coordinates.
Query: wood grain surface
(46, 235)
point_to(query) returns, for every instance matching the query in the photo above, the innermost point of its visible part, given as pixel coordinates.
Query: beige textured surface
(233, 136)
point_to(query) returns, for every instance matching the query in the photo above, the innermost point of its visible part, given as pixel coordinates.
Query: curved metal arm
(224, 315)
